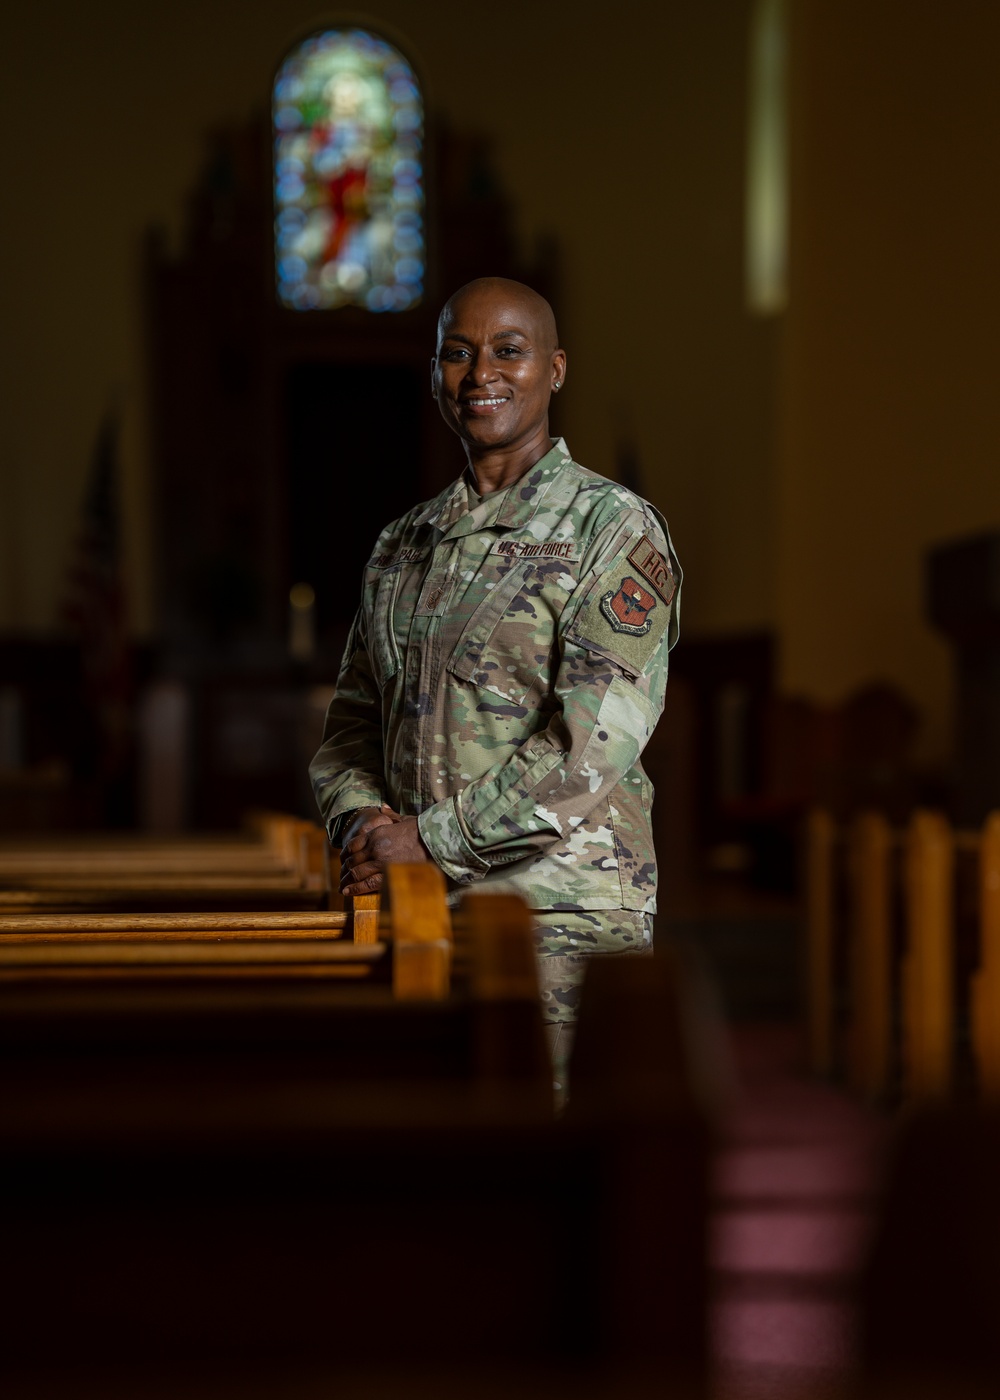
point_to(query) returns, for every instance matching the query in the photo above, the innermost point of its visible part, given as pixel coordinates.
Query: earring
(557, 385)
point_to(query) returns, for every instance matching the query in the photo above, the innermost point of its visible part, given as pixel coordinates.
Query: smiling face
(496, 365)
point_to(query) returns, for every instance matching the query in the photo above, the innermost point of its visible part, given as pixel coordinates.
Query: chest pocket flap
(489, 650)
(386, 653)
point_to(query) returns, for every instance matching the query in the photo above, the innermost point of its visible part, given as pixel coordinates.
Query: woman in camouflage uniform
(508, 663)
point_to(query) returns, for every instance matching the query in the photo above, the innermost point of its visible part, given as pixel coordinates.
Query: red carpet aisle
(794, 1194)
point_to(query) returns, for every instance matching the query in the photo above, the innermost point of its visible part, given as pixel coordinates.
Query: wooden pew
(189, 1095)
(928, 972)
(101, 964)
(278, 862)
(398, 1240)
(94, 963)
(68, 946)
(871, 850)
(309, 943)
(929, 1300)
(985, 1010)
(923, 947)
(820, 916)
(346, 944)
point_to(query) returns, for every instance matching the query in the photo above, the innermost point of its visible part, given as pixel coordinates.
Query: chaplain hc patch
(650, 563)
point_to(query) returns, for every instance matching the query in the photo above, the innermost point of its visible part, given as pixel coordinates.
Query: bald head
(520, 301)
(497, 364)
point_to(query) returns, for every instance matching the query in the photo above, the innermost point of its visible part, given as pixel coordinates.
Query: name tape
(400, 556)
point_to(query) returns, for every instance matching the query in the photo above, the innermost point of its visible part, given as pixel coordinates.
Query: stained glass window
(348, 177)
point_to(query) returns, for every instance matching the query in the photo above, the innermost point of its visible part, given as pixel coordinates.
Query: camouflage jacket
(504, 671)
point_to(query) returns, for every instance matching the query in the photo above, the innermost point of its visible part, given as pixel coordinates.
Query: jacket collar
(444, 509)
(507, 510)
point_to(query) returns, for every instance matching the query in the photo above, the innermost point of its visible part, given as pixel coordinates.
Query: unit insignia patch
(628, 607)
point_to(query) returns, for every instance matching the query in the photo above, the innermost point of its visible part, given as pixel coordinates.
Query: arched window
(348, 177)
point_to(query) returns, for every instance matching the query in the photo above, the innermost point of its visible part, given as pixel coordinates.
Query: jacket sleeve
(347, 771)
(614, 637)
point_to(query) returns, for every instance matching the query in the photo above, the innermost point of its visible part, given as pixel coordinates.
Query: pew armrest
(362, 917)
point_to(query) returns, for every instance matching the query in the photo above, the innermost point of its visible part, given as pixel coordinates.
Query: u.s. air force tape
(541, 550)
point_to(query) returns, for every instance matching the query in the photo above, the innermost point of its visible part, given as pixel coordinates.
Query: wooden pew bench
(903, 952)
(929, 1300)
(65, 946)
(278, 862)
(392, 1239)
(216, 995)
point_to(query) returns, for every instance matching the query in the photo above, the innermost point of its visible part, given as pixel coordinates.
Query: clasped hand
(377, 836)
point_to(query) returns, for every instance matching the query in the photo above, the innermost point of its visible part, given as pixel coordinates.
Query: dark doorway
(354, 464)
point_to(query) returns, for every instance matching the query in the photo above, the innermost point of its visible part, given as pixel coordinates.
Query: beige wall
(619, 132)
(890, 403)
(801, 497)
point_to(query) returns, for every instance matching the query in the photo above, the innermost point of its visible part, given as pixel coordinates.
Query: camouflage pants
(559, 1036)
(564, 940)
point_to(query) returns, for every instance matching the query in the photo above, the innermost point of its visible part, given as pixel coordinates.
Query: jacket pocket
(499, 648)
(385, 653)
(631, 819)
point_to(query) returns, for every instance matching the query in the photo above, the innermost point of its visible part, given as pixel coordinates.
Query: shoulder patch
(627, 608)
(650, 563)
(626, 615)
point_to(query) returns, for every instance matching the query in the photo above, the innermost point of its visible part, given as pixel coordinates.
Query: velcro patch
(650, 563)
(626, 614)
(399, 556)
(537, 549)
